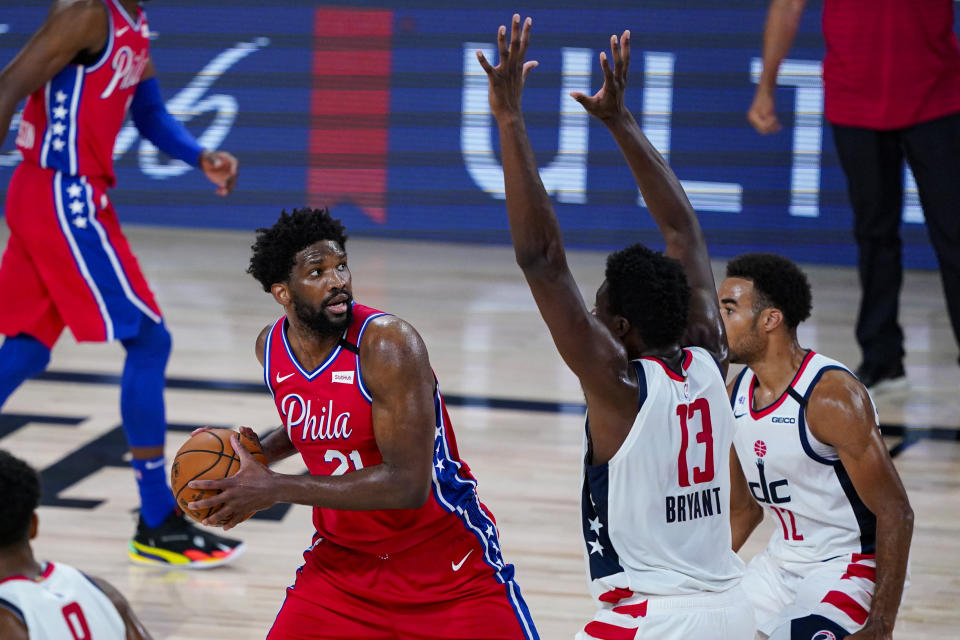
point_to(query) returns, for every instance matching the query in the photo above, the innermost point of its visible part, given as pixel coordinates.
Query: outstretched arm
(585, 344)
(783, 19)
(665, 199)
(841, 414)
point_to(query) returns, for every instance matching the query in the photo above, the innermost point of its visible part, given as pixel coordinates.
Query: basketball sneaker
(878, 379)
(177, 543)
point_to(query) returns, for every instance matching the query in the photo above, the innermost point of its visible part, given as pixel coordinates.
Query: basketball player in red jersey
(43, 600)
(403, 546)
(67, 264)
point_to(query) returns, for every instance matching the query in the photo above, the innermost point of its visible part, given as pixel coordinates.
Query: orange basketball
(207, 456)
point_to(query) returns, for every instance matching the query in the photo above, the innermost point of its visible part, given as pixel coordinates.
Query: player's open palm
(220, 168)
(608, 102)
(508, 77)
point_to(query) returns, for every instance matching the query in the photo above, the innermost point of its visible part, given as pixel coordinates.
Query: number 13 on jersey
(693, 415)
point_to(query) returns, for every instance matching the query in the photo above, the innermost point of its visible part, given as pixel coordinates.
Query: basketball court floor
(515, 408)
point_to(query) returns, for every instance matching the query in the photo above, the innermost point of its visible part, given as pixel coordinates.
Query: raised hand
(220, 168)
(508, 77)
(608, 102)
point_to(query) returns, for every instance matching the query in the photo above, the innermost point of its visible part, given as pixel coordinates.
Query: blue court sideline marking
(911, 434)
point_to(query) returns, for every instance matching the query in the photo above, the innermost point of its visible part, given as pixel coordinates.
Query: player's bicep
(704, 324)
(841, 414)
(585, 344)
(396, 371)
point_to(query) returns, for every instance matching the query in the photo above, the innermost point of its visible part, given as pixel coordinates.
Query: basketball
(207, 455)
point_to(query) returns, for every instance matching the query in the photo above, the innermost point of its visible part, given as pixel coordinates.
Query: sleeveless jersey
(71, 123)
(327, 415)
(800, 479)
(656, 515)
(62, 604)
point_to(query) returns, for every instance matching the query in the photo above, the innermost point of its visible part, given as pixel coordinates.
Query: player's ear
(621, 326)
(34, 525)
(771, 318)
(281, 293)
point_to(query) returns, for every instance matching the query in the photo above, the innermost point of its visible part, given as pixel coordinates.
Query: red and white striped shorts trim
(623, 614)
(851, 595)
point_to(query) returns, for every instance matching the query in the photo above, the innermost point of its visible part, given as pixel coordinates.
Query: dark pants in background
(873, 163)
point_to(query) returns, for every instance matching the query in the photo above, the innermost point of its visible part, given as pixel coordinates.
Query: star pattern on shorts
(595, 546)
(61, 97)
(58, 144)
(80, 222)
(59, 128)
(74, 190)
(76, 207)
(595, 525)
(439, 465)
(59, 113)
(489, 530)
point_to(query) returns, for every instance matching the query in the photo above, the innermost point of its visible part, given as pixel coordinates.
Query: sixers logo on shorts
(760, 448)
(823, 635)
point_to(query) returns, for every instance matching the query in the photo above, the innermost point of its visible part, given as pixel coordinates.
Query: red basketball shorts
(67, 263)
(441, 589)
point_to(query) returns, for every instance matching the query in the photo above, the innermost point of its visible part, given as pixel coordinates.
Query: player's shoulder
(87, 20)
(75, 9)
(387, 331)
(839, 409)
(837, 387)
(260, 346)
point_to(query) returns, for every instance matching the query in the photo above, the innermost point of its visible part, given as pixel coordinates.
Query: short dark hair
(275, 250)
(777, 282)
(20, 491)
(651, 291)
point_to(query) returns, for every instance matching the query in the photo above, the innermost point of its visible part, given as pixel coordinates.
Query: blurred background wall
(379, 110)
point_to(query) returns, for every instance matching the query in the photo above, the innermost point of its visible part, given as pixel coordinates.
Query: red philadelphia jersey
(327, 415)
(71, 123)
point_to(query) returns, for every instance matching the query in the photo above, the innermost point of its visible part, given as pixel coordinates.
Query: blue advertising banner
(379, 110)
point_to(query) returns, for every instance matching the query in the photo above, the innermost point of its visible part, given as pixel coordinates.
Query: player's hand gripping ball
(207, 455)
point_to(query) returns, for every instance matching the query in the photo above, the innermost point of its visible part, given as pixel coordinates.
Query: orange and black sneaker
(177, 543)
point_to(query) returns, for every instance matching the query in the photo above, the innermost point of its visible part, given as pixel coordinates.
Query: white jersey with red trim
(63, 604)
(798, 478)
(656, 516)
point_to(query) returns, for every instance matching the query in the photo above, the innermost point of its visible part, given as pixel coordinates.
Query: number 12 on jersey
(699, 409)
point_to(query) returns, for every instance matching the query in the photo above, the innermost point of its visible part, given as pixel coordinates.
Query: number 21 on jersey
(693, 415)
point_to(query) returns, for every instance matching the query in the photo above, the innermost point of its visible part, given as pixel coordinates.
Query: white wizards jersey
(62, 604)
(800, 479)
(656, 516)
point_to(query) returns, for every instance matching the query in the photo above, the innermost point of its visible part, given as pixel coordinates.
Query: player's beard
(318, 322)
(749, 348)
